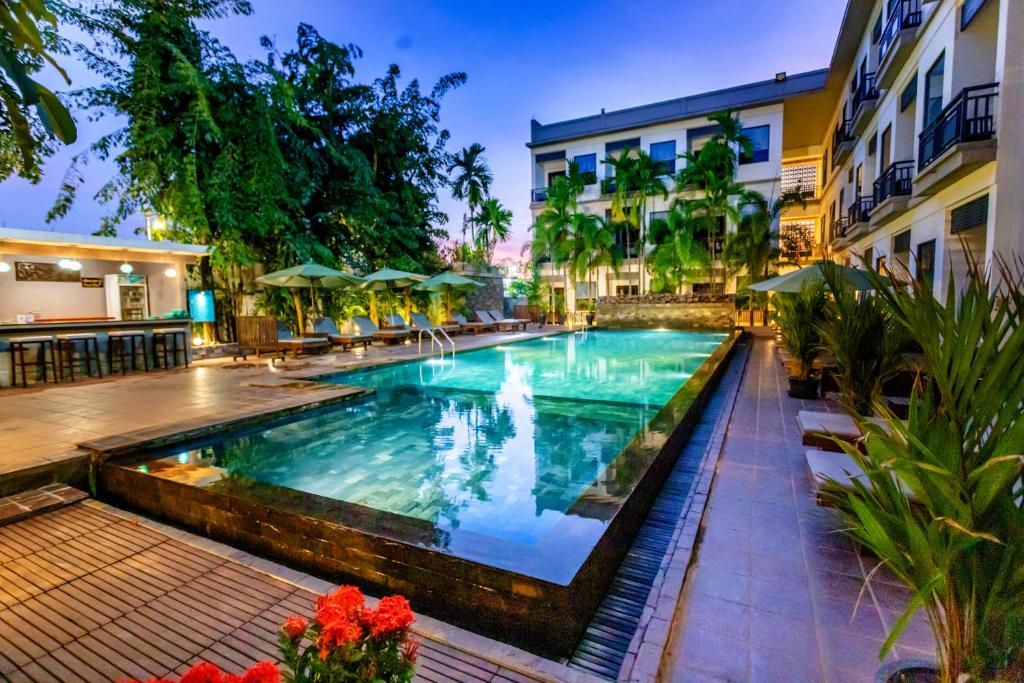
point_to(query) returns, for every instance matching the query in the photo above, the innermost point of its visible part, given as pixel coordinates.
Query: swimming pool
(516, 457)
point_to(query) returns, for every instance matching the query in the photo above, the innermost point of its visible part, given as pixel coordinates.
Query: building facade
(896, 146)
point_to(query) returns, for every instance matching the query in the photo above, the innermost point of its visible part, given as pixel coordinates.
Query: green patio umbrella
(387, 279)
(309, 275)
(795, 280)
(447, 282)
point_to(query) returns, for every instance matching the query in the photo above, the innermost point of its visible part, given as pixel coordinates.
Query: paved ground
(45, 425)
(86, 595)
(775, 594)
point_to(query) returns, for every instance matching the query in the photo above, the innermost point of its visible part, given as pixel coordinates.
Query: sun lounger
(475, 327)
(300, 345)
(838, 467)
(396, 322)
(420, 322)
(519, 321)
(326, 326)
(366, 326)
(820, 429)
(502, 325)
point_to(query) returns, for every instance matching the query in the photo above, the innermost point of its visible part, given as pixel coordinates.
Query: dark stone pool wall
(677, 311)
(386, 553)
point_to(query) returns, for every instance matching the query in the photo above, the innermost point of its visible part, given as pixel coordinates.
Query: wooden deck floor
(90, 596)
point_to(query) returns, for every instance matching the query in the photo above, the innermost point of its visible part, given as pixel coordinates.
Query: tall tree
(472, 181)
(590, 245)
(31, 114)
(639, 179)
(493, 224)
(711, 175)
(754, 245)
(553, 227)
(676, 254)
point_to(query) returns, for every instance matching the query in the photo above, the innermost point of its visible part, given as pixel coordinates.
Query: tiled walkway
(775, 594)
(86, 595)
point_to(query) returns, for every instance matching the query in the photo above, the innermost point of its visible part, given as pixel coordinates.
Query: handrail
(906, 14)
(895, 180)
(433, 339)
(969, 116)
(859, 211)
(867, 89)
(539, 194)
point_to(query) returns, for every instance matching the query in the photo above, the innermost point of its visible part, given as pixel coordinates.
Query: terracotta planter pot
(804, 388)
(908, 671)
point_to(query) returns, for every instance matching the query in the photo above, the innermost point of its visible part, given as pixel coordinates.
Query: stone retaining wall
(703, 311)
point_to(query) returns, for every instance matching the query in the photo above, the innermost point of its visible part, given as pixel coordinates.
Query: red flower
(203, 672)
(392, 614)
(295, 627)
(345, 603)
(262, 672)
(337, 633)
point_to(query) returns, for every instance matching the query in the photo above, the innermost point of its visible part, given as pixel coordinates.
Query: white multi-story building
(897, 144)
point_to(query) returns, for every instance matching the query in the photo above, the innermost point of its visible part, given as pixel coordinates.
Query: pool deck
(42, 429)
(774, 593)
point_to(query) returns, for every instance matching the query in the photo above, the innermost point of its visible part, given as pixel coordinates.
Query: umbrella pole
(373, 308)
(408, 303)
(298, 311)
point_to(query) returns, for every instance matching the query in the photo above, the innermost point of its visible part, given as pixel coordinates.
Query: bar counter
(100, 327)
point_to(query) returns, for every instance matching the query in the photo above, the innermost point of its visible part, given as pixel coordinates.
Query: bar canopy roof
(17, 236)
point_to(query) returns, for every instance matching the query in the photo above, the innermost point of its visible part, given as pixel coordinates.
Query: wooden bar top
(13, 329)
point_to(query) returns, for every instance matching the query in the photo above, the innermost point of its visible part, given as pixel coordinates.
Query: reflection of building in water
(568, 469)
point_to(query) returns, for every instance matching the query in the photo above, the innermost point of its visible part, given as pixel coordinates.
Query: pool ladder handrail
(433, 340)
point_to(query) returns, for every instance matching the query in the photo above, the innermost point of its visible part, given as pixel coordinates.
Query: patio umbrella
(387, 279)
(795, 280)
(309, 275)
(447, 282)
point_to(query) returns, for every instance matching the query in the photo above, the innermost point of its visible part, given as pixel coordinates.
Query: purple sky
(545, 60)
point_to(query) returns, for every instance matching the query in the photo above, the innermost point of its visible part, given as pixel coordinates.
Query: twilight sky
(525, 59)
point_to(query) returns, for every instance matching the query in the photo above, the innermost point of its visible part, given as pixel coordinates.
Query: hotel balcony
(538, 195)
(858, 218)
(865, 99)
(837, 232)
(842, 142)
(961, 140)
(897, 40)
(892, 193)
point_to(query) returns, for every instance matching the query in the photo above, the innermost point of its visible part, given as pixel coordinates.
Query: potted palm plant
(799, 316)
(867, 347)
(942, 506)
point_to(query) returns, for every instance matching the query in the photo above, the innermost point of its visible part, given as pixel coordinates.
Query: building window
(553, 176)
(587, 164)
(909, 94)
(968, 11)
(926, 262)
(973, 214)
(759, 140)
(796, 239)
(880, 265)
(868, 258)
(886, 149)
(802, 178)
(933, 90)
(627, 290)
(664, 153)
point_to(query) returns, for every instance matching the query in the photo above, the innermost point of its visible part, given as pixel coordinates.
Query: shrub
(799, 316)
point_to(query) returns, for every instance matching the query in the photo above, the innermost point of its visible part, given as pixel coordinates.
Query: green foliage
(677, 256)
(867, 346)
(493, 224)
(472, 181)
(799, 315)
(753, 245)
(32, 114)
(638, 180)
(944, 509)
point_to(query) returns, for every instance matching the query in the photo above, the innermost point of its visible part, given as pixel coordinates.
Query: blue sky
(525, 59)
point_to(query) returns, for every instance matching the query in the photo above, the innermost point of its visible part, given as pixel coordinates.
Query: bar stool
(18, 345)
(122, 341)
(66, 346)
(170, 350)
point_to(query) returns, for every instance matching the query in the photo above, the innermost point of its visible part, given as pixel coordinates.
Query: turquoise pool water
(493, 447)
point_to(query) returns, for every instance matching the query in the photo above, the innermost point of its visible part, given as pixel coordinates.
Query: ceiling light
(126, 268)
(65, 263)
(171, 272)
(5, 267)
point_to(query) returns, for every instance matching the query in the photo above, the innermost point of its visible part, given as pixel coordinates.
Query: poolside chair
(326, 326)
(475, 327)
(519, 321)
(502, 325)
(396, 322)
(420, 322)
(821, 429)
(366, 326)
(299, 345)
(824, 466)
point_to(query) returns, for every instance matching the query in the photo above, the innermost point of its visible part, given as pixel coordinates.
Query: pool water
(494, 447)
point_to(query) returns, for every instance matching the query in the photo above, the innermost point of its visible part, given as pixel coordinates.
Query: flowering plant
(348, 641)
(204, 672)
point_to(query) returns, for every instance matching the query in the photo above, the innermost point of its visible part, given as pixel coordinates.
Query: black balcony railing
(859, 211)
(841, 134)
(895, 181)
(837, 229)
(970, 116)
(905, 14)
(866, 91)
(539, 195)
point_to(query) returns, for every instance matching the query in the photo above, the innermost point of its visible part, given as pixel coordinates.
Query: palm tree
(676, 254)
(591, 242)
(472, 183)
(553, 225)
(712, 174)
(493, 225)
(622, 174)
(649, 183)
(754, 244)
